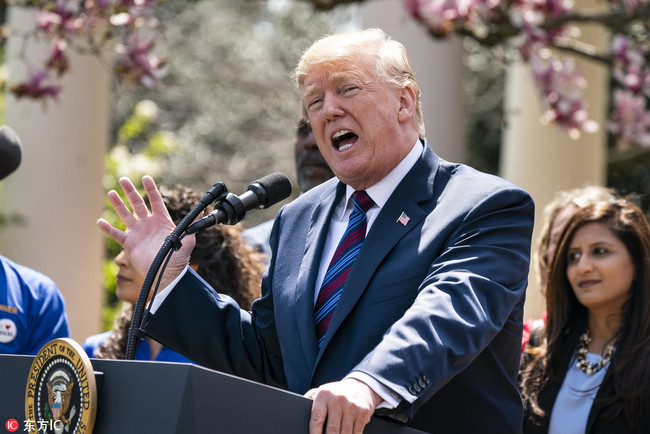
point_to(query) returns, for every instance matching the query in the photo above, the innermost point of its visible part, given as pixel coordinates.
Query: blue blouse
(142, 352)
(573, 403)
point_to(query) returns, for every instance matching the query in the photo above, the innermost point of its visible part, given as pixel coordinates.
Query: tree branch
(503, 30)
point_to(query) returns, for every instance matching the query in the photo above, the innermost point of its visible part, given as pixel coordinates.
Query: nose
(331, 107)
(120, 259)
(584, 265)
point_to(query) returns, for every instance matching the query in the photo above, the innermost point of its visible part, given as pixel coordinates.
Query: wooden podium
(154, 397)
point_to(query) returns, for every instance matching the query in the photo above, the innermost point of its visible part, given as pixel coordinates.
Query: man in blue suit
(427, 326)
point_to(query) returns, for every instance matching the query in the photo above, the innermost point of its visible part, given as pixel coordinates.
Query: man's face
(356, 119)
(311, 167)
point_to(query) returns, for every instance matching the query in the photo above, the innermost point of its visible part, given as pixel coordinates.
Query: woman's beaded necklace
(581, 354)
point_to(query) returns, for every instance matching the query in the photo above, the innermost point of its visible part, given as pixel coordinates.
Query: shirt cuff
(390, 398)
(162, 295)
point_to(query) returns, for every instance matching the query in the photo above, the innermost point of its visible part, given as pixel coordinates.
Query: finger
(334, 419)
(360, 423)
(121, 209)
(116, 234)
(140, 209)
(135, 199)
(348, 423)
(318, 416)
(155, 198)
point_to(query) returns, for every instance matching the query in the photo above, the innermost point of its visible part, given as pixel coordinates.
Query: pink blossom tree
(543, 34)
(538, 32)
(87, 27)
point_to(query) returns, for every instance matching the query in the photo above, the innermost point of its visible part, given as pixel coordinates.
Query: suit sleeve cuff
(162, 295)
(390, 399)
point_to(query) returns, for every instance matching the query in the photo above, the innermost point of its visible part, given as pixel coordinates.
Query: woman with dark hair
(565, 203)
(220, 256)
(591, 373)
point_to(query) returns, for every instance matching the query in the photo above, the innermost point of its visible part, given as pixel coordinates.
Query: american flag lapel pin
(403, 219)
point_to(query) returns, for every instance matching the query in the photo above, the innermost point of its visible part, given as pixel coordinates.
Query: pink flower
(139, 64)
(58, 59)
(442, 16)
(560, 85)
(629, 65)
(48, 21)
(630, 119)
(34, 88)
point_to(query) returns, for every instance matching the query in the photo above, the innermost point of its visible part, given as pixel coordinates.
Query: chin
(127, 296)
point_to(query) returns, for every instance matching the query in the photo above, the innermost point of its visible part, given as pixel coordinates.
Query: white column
(438, 68)
(57, 188)
(543, 159)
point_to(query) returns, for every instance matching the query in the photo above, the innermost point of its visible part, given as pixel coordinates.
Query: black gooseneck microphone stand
(173, 241)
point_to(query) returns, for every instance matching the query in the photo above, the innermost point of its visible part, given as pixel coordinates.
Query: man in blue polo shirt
(32, 309)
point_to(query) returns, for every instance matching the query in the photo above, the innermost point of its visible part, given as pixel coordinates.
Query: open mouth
(344, 140)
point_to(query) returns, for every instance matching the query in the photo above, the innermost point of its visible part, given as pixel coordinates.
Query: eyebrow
(596, 244)
(335, 78)
(309, 92)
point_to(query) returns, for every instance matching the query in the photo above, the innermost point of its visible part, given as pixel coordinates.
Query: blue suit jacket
(432, 309)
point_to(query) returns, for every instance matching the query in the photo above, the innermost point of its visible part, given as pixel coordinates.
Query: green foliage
(122, 162)
(111, 303)
(137, 124)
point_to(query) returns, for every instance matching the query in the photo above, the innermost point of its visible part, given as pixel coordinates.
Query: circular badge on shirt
(7, 330)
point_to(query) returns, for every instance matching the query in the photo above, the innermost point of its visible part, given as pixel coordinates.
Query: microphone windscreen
(10, 151)
(277, 186)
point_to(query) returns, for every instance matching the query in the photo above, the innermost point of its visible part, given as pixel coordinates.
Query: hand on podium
(344, 407)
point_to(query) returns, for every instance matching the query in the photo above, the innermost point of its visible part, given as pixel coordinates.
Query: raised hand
(145, 231)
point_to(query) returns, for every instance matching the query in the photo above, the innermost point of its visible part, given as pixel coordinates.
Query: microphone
(263, 193)
(10, 151)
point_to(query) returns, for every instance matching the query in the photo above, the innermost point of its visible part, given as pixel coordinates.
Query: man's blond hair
(391, 60)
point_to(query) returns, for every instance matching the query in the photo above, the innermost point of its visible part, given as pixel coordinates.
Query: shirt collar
(381, 191)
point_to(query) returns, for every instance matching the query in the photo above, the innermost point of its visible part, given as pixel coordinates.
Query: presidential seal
(61, 395)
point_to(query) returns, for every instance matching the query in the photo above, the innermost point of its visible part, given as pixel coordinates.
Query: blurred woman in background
(591, 373)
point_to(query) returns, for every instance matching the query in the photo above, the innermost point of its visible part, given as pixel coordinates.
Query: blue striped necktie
(341, 263)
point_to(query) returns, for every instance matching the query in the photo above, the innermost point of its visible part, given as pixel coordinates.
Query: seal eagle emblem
(61, 394)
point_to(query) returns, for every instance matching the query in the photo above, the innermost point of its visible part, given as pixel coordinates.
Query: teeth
(345, 147)
(338, 134)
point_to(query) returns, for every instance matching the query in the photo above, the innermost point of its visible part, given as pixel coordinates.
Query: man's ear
(407, 104)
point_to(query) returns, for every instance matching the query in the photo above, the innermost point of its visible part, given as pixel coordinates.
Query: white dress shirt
(379, 193)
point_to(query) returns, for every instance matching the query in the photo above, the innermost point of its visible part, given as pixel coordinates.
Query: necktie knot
(362, 202)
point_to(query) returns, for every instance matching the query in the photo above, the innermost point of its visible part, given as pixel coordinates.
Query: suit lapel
(306, 283)
(605, 390)
(548, 395)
